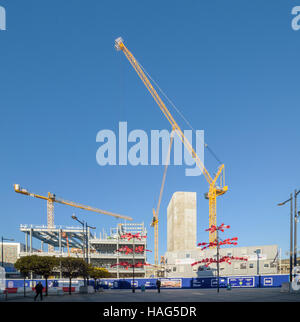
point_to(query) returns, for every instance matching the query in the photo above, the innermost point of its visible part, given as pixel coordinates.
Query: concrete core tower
(182, 222)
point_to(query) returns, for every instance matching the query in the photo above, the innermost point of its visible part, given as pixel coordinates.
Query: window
(251, 265)
(187, 255)
(243, 266)
(266, 265)
(229, 254)
(273, 265)
(174, 269)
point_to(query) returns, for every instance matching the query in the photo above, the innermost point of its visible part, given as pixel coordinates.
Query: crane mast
(156, 212)
(215, 189)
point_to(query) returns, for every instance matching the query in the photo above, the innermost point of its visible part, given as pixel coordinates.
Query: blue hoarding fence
(242, 281)
(264, 281)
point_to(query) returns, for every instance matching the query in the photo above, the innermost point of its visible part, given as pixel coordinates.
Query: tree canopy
(98, 272)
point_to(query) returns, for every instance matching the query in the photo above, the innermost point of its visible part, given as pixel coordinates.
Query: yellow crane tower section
(215, 188)
(156, 213)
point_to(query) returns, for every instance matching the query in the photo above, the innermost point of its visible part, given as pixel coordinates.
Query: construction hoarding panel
(171, 283)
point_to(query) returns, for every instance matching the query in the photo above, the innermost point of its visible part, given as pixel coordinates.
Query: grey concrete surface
(180, 295)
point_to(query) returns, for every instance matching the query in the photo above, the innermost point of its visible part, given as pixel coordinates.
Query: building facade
(102, 251)
(178, 264)
(11, 252)
(105, 251)
(182, 250)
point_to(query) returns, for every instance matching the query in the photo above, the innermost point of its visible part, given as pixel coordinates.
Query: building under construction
(182, 249)
(102, 251)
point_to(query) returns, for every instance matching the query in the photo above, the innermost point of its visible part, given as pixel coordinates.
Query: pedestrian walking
(39, 291)
(158, 283)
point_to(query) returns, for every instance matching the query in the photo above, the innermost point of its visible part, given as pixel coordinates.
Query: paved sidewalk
(169, 295)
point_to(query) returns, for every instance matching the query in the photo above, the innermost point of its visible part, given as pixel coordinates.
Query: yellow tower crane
(51, 198)
(215, 188)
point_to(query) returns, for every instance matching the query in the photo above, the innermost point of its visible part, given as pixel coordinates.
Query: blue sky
(232, 67)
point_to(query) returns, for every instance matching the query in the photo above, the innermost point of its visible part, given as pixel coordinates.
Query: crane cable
(164, 175)
(178, 111)
(156, 213)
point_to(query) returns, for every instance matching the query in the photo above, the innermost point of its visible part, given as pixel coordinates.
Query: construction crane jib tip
(119, 43)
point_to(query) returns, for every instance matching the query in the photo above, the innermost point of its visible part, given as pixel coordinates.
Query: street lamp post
(85, 246)
(2, 239)
(291, 233)
(295, 227)
(133, 261)
(83, 242)
(296, 250)
(83, 237)
(218, 264)
(86, 243)
(87, 240)
(257, 253)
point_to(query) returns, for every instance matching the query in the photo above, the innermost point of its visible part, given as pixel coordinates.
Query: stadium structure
(102, 251)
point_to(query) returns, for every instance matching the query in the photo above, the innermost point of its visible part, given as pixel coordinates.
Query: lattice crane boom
(51, 198)
(214, 189)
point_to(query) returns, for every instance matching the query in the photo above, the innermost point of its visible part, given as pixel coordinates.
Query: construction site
(105, 251)
(149, 154)
(109, 249)
(124, 249)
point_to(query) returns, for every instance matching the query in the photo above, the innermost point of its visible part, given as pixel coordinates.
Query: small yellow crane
(51, 198)
(156, 213)
(215, 189)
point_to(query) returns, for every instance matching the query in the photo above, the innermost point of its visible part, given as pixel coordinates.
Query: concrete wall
(182, 221)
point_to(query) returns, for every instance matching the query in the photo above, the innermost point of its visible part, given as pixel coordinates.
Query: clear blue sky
(232, 67)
